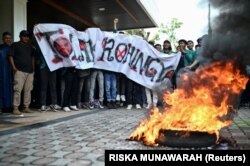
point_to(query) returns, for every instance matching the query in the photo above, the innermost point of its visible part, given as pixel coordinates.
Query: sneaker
(129, 107)
(123, 99)
(66, 109)
(54, 107)
(101, 106)
(85, 105)
(57, 107)
(114, 104)
(138, 106)
(91, 105)
(27, 110)
(110, 105)
(79, 105)
(148, 106)
(144, 105)
(74, 108)
(117, 102)
(16, 111)
(117, 98)
(96, 104)
(155, 105)
(44, 108)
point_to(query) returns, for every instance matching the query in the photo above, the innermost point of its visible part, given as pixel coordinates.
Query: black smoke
(230, 38)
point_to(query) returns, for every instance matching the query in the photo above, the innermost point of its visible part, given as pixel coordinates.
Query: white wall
(20, 17)
(13, 17)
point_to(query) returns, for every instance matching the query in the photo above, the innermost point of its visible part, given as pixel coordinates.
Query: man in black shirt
(22, 60)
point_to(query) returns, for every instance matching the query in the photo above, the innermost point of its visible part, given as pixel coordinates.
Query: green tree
(156, 37)
(170, 30)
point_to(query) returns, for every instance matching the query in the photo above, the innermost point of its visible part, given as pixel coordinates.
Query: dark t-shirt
(22, 55)
(181, 62)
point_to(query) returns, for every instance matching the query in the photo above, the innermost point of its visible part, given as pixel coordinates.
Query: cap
(24, 33)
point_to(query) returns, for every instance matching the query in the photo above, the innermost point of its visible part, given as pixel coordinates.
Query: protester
(82, 79)
(23, 64)
(134, 92)
(200, 59)
(110, 88)
(121, 80)
(6, 88)
(182, 46)
(190, 54)
(167, 48)
(47, 77)
(151, 95)
(70, 92)
(96, 74)
(158, 47)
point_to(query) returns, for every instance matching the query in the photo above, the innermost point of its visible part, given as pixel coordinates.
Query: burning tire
(186, 139)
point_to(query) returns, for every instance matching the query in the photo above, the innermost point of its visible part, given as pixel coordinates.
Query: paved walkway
(80, 138)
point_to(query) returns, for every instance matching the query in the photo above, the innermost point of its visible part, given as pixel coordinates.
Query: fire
(201, 103)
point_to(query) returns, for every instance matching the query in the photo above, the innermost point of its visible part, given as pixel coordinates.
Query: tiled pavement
(83, 138)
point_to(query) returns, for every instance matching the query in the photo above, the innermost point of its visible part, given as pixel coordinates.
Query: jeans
(96, 74)
(48, 77)
(110, 86)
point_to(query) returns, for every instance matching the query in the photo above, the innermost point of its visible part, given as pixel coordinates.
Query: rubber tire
(173, 138)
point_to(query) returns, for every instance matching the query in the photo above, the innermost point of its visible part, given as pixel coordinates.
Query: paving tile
(44, 153)
(101, 158)
(71, 148)
(12, 158)
(44, 161)
(43, 146)
(82, 162)
(75, 155)
(87, 149)
(27, 160)
(96, 144)
(10, 164)
(15, 150)
(60, 162)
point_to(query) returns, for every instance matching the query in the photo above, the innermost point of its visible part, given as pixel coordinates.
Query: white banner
(63, 46)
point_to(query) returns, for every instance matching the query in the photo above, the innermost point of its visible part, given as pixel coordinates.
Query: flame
(201, 103)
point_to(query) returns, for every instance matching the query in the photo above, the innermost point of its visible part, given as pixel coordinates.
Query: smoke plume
(230, 38)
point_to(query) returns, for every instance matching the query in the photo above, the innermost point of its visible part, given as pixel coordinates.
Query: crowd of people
(69, 88)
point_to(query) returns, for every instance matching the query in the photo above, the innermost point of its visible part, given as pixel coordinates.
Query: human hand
(188, 67)
(14, 70)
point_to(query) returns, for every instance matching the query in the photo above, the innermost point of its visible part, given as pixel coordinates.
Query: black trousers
(134, 91)
(83, 82)
(121, 80)
(70, 92)
(48, 78)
